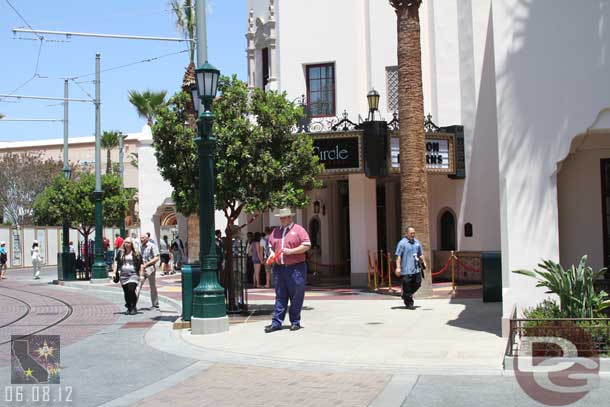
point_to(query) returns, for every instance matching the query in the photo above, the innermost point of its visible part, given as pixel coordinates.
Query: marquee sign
(440, 154)
(340, 153)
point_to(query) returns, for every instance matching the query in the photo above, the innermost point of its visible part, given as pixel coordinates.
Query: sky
(24, 57)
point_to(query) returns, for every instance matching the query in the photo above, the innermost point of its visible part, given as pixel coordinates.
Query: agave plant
(574, 287)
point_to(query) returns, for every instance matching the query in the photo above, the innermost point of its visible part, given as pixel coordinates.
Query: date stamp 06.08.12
(35, 373)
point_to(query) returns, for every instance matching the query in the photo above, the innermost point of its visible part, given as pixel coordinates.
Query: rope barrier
(466, 267)
(445, 267)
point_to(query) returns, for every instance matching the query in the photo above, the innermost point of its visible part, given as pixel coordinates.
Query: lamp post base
(207, 326)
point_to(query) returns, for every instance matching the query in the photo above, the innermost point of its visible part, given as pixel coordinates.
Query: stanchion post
(453, 271)
(375, 270)
(390, 271)
(368, 266)
(381, 267)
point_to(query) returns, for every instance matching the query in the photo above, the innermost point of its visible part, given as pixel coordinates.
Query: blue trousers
(289, 282)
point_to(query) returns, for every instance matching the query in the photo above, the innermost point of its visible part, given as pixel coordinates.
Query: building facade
(534, 107)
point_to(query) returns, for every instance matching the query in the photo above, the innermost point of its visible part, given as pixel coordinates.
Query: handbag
(117, 277)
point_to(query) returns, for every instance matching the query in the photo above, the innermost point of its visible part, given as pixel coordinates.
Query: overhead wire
(40, 37)
(130, 64)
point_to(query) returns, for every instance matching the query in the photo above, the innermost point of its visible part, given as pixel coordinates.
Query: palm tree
(413, 175)
(147, 103)
(185, 22)
(109, 141)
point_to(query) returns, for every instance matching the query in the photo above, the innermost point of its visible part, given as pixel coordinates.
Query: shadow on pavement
(479, 316)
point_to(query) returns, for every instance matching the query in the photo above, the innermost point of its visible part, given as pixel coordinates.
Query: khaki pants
(154, 297)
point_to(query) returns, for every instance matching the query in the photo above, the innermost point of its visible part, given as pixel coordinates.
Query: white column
(363, 225)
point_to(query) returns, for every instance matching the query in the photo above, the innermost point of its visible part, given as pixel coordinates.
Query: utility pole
(99, 272)
(66, 260)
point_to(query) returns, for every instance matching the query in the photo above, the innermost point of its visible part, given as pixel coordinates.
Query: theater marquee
(340, 153)
(440, 154)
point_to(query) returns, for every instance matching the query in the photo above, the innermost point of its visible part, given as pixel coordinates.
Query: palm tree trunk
(108, 163)
(413, 174)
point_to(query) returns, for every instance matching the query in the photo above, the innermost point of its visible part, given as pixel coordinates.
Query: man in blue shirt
(409, 254)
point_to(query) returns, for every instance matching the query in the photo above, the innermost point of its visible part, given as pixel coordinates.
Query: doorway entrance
(605, 176)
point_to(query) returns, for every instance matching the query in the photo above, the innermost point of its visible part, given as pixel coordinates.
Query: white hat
(282, 213)
(35, 242)
(2, 243)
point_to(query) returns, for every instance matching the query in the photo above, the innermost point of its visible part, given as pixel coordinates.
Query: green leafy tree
(72, 201)
(22, 177)
(259, 163)
(147, 103)
(109, 141)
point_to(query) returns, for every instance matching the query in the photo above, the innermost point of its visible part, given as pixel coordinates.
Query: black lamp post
(209, 309)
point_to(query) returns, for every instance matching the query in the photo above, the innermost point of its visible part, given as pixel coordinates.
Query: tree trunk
(413, 175)
(108, 163)
(228, 276)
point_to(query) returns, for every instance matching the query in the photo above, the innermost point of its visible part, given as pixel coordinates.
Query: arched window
(447, 231)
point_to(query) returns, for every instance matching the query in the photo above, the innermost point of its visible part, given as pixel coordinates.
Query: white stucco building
(529, 83)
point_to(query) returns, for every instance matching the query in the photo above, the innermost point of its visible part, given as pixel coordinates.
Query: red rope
(441, 271)
(466, 267)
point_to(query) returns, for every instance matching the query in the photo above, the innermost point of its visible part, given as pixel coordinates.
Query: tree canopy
(22, 177)
(73, 201)
(259, 163)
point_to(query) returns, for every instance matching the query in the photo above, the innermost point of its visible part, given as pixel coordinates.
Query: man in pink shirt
(288, 245)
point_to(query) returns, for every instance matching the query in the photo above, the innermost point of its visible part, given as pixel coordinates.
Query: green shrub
(574, 287)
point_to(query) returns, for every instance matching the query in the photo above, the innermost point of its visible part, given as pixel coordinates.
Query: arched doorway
(583, 197)
(447, 230)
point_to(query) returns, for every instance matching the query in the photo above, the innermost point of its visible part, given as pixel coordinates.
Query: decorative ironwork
(429, 125)
(345, 124)
(394, 124)
(307, 124)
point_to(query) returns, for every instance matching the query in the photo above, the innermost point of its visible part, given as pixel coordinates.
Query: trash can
(191, 274)
(492, 276)
(66, 266)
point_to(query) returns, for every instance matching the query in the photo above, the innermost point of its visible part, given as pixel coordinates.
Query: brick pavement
(237, 385)
(88, 315)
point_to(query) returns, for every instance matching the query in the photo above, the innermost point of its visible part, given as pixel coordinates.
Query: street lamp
(209, 309)
(373, 99)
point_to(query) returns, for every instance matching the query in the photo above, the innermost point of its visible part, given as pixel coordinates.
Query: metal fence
(240, 262)
(590, 336)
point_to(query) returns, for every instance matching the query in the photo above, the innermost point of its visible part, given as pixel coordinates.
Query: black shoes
(272, 328)
(132, 311)
(295, 327)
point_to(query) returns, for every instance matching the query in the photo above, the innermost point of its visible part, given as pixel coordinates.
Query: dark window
(265, 67)
(605, 168)
(321, 90)
(447, 231)
(468, 232)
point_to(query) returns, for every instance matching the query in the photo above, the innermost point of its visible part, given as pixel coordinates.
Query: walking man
(409, 264)
(150, 257)
(288, 245)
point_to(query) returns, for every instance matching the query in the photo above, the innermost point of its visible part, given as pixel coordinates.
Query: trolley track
(69, 311)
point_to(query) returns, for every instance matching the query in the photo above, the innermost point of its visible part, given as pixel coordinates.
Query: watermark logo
(556, 371)
(35, 359)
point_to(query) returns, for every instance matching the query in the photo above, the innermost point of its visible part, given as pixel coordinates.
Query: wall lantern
(373, 99)
(316, 207)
